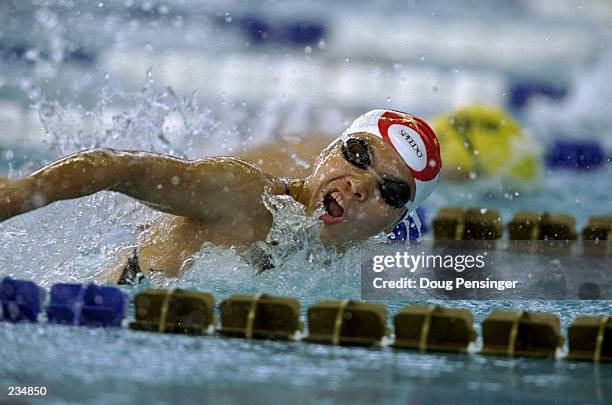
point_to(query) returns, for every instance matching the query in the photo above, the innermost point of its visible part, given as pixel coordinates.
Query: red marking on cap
(432, 147)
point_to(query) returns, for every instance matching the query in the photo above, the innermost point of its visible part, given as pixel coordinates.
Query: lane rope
(338, 322)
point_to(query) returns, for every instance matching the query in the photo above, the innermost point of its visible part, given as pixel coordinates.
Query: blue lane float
(256, 29)
(91, 305)
(522, 92)
(260, 30)
(301, 33)
(575, 154)
(21, 301)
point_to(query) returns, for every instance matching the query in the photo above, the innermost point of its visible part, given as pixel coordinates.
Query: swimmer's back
(288, 157)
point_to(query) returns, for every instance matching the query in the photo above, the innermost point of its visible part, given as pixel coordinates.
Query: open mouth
(334, 209)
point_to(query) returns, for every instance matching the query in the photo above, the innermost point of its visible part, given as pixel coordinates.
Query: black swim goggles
(396, 193)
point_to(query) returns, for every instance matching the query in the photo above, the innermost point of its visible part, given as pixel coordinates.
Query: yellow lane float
(173, 311)
(260, 316)
(455, 223)
(542, 226)
(598, 233)
(346, 322)
(433, 328)
(480, 141)
(521, 333)
(590, 339)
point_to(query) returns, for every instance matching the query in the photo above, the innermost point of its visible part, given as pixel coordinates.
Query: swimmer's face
(354, 208)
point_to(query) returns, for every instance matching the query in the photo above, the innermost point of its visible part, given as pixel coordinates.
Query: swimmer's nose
(359, 187)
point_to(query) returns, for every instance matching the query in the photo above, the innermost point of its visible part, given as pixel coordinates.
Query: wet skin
(218, 200)
(365, 212)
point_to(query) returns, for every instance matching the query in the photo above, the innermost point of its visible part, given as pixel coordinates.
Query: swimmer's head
(373, 175)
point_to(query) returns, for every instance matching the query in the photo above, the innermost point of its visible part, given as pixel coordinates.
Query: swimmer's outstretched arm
(223, 193)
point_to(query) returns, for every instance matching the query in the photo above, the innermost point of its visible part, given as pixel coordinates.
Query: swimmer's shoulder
(241, 171)
(282, 185)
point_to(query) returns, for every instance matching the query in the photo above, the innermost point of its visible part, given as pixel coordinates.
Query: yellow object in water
(484, 141)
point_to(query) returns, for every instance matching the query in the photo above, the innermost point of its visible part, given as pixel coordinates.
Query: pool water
(79, 76)
(73, 241)
(100, 366)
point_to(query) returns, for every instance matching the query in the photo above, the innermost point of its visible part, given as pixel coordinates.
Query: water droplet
(308, 50)
(483, 210)
(388, 99)
(176, 180)
(38, 200)
(100, 5)
(31, 54)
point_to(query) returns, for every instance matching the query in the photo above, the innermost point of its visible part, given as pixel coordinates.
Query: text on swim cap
(409, 144)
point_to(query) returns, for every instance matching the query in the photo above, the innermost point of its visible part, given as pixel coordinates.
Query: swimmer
(368, 180)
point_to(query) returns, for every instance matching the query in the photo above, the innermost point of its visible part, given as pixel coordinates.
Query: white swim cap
(412, 139)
